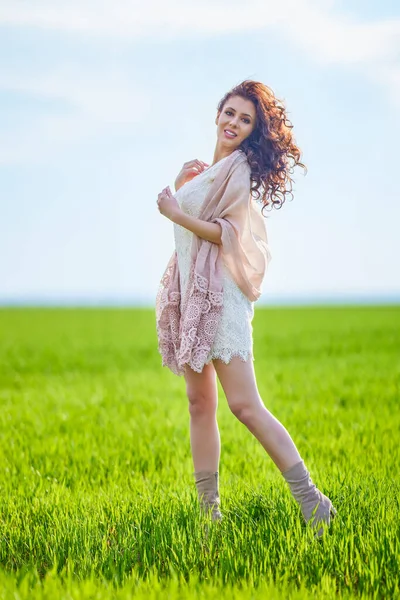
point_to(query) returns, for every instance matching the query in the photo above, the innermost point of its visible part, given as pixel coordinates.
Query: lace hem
(186, 337)
(226, 355)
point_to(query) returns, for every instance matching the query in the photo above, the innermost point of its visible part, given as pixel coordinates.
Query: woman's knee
(245, 411)
(241, 410)
(239, 384)
(202, 391)
(201, 403)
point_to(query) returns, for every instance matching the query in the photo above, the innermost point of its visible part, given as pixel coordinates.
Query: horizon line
(391, 298)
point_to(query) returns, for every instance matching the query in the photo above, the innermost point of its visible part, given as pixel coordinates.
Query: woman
(205, 304)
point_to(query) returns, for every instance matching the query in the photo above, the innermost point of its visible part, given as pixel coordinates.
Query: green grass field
(96, 487)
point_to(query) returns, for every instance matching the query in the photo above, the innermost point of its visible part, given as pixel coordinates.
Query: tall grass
(97, 497)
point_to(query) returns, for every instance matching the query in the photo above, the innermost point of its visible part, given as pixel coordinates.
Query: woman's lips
(229, 136)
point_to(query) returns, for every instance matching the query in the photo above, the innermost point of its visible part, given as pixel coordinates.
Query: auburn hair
(271, 149)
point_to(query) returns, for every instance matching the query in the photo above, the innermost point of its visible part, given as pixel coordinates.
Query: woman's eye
(227, 112)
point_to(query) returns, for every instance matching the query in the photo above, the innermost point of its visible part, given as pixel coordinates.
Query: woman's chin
(228, 144)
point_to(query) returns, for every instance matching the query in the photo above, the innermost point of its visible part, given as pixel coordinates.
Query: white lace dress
(234, 335)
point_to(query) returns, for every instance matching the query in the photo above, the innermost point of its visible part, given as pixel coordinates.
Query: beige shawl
(186, 327)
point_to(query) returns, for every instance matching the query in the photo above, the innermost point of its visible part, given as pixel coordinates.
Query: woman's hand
(167, 204)
(189, 171)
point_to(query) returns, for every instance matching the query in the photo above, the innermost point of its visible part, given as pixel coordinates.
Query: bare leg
(238, 381)
(239, 384)
(202, 393)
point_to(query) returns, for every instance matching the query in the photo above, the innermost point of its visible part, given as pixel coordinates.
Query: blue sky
(100, 108)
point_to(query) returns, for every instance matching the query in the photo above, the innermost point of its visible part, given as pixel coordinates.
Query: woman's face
(239, 117)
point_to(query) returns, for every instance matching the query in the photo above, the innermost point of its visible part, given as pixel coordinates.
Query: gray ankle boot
(316, 508)
(207, 489)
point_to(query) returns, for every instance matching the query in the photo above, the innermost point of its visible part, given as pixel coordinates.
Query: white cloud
(324, 33)
(108, 97)
(328, 36)
(96, 100)
(137, 20)
(338, 39)
(92, 103)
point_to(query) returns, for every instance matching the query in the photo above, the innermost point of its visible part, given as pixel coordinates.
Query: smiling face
(237, 116)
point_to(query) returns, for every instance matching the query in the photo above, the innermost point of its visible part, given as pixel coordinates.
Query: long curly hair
(271, 149)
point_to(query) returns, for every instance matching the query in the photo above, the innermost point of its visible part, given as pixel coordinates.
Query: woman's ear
(217, 117)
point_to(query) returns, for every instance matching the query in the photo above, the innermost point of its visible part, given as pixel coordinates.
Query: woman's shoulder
(242, 162)
(241, 166)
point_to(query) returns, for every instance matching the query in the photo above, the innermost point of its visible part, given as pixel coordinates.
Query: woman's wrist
(211, 232)
(175, 215)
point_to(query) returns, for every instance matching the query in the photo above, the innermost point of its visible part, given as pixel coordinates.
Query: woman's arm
(177, 186)
(203, 229)
(169, 207)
